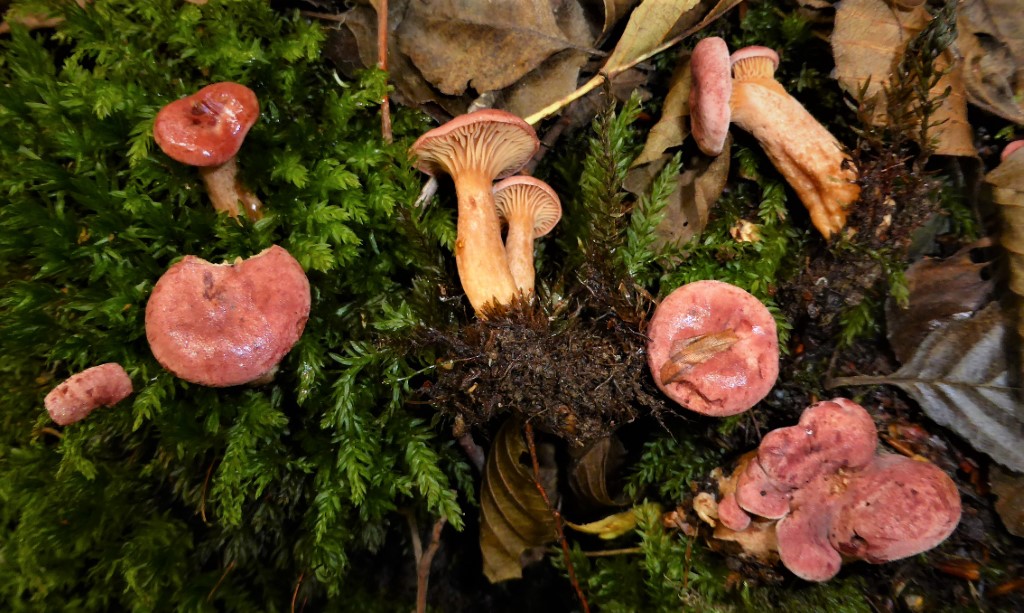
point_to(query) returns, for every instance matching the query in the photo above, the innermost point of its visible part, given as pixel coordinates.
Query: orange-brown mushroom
(531, 209)
(475, 149)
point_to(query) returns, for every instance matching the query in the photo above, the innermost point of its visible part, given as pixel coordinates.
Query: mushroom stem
(519, 250)
(479, 253)
(226, 191)
(806, 154)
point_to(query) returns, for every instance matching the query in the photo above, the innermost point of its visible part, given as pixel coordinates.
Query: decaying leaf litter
(585, 335)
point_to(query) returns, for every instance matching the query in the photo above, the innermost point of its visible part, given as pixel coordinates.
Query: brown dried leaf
(1007, 184)
(672, 128)
(960, 377)
(1009, 490)
(869, 38)
(990, 35)
(486, 44)
(941, 290)
(698, 188)
(513, 515)
(591, 476)
(552, 80)
(648, 27)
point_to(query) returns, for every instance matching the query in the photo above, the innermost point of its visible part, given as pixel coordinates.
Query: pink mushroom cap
(727, 381)
(100, 386)
(227, 324)
(895, 508)
(754, 51)
(208, 127)
(1009, 149)
(710, 91)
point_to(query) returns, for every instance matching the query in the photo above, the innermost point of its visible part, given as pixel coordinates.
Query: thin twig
(223, 575)
(474, 452)
(613, 552)
(382, 63)
(423, 568)
(560, 533)
(202, 498)
(337, 17)
(295, 592)
(414, 530)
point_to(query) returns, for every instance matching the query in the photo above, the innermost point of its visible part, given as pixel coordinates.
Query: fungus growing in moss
(227, 324)
(531, 209)
(713, 348)
(76, 397)
(206, 130)
(833, 496)
(475, 149)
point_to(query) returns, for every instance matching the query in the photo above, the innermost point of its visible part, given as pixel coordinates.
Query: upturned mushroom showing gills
(227, 324)
(206, 130)
(476, 149)
(75, 398)
(834, 496)
(807, 155)
(531, 209)
(713, 348)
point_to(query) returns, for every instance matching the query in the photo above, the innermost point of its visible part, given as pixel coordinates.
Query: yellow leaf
(615, 525)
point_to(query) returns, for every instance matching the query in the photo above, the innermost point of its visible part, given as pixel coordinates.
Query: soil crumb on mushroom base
(578, 378)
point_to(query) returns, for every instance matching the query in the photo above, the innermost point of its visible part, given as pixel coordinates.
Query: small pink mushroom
(531, 209)
(227, 324)
(100, 386)
(206, 130)
(1010, 149)
(713, 348)
(710, 92)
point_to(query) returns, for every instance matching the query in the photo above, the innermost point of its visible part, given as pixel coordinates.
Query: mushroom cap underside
(531, 197)
(494, 143)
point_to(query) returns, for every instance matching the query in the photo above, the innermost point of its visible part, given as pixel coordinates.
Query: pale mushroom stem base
(806, 154)
(519, 252)
(227, 193)
(479, 253)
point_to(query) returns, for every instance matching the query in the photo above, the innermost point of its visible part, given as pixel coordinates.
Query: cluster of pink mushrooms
(814, 493)
(477, 149)
(209, 324)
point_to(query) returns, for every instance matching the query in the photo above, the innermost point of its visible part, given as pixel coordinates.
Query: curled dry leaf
(513, 515)
(591, 476)
(960, 377)
(941, 290)
(616, 525)
(990, 35)
(869, 37)
(1009, 490)
(672, 128)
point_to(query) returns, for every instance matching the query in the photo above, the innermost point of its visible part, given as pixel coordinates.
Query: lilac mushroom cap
(710, 92)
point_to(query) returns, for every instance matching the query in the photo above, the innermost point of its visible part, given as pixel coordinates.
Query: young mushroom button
(531, 209)
(206, 130)
(713, 348)
(476, 149)
(806, 154)
(75, 398)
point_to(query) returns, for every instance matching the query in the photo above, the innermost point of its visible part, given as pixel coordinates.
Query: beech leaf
(513, 515)
(590, 475)
(486, 44)
(869, 38)
(1007, 184)
(646, 29)
(960, 377)
(990, 36)
(1009, 491)
(672, 127)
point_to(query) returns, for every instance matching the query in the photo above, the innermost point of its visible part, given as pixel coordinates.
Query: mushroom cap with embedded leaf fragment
(713, 348)
(227, 324)
(208, 127)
